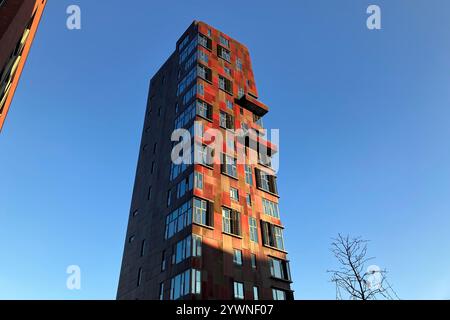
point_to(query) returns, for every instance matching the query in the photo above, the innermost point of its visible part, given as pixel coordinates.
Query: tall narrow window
(234, 194)
(198, 180)
(253, 260)
(248, 175)
(253, 229)
(139, 277)
(203, 213)
(196, 246)
(255, 293)
(238, 290)
(231, 221)
(161, 291)
(163, 261)
(237, 257)
(229, 166)
(143, 244)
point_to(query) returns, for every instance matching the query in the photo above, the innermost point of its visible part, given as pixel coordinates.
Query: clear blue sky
(363, 115)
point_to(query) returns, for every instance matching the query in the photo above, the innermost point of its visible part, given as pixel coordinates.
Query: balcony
(252, 104)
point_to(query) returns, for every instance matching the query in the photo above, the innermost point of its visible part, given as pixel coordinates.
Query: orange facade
(18, 26)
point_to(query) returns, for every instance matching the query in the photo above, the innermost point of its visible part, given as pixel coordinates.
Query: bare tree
(354, 278)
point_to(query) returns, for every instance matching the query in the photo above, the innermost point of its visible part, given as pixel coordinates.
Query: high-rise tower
(19, 20)
(207, 230)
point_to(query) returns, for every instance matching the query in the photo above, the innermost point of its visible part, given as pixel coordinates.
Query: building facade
(19, 20)
(212, 229)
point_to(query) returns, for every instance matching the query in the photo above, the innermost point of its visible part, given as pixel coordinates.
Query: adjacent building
(19, 20)
(208, 230)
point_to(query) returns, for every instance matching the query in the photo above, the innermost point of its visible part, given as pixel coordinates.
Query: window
(203, 56)
(139, 277)
(143, 244)
(231, 221)
(185, 186)
(234, 194)
(179, 285)
(229, 105)
(169, 198)
(203, 212)
(204, 41)
(149, 194)
(270, 208)
(192, 92)
(241, 92)
(225, 84)
(178, 219)
(253, 229)
(188, 50)
(204, 109)
(238, 290)
(278, 294)
(187, 80)
(249, 199)
(226, 120)
(196, 246)
(223, 53)
(204, 155)
(198, 180)
(185, 283)
(264, 159)
(131, 239)
(239, 64)
(237, 257)
(161, 291)
(255, 293)
(152, 167)
(248, 175)
(279, 269)
(189, 64)
(272, 235)
(223, 41)
(182, 250)
(135, 213)
(253, 260)
(186, 116)
(204, 72)
(266, 181)
(163, 261)
(229, 166)
(196, 281)
(227, 71)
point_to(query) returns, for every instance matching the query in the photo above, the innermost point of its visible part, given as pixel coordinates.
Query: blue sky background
(365, 137)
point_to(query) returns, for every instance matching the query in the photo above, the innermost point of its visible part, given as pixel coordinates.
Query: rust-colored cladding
(19, 21)
(144, 275)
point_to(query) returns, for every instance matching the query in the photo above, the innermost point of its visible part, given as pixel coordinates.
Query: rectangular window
(226, 120)
(204, 72)
(271, 208)
(231, 221)
(198, 180)
(225, 84)
(163, 261)
(239, 64)
(161, 291)
(204, 109)
(187, 80)
(223, 53)
(203, 56)
(143, 245)
(229, 105)
(278, 294)
(253, 260)
(253, 229)
(234, 194)
(204, 41)
(272, 235)
(139, 277)
(266, 181)
(227, 71)
(241, 92)
(185, 186)
(229, 166)
(248, 175)
(203, 212)
(237, 257)
(249, 199)
(180, 285)
(188, 50)
(182, 250)
(196, 282)
(238, 290)
(196, 246)
(224, 41)
(255, 293)
(279, 269)
(178, 219)
(204, 155)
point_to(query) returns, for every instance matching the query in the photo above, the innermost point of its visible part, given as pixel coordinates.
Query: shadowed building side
(19, 21)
